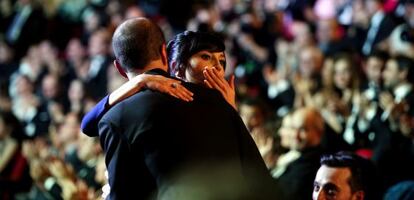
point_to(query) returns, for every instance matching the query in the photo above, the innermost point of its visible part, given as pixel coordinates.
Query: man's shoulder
(205, 94)
(143, 103)
(147, 98)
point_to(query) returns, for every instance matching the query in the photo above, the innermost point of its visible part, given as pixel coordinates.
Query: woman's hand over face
(213, 80)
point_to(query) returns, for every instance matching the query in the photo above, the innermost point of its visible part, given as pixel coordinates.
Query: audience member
(14, 176)
(401, 40)
(380, 26)
(345, 175)
(400, 191)
(99, 61)
(297, 178)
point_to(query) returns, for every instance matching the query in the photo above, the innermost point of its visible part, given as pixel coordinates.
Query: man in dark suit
(158, 146)
(380, 26)
(26, 26)
(295, 178)
(97, 76)
(391, 144)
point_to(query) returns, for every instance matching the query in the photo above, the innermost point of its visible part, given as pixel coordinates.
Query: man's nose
(319, 195)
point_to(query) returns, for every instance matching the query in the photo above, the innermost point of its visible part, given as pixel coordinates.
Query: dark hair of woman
(185, 44)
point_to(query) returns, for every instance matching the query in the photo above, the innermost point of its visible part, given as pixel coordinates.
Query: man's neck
(158, 64)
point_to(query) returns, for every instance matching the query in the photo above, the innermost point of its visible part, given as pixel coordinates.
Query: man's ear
(120, 69)
(403, 74)
(164, 54)
(360, 195)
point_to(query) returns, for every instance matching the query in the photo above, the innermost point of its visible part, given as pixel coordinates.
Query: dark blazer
(96, 86)
(32, 31)
(158, 146)
(297, 180)
(385, 28)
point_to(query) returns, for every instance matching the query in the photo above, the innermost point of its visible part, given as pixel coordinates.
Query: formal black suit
(32, 31)
(159, 146)
(385, 26)
(297, 181)
(96, 83)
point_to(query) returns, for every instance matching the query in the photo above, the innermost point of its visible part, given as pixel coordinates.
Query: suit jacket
(297, 180)
(386, 26)
(158, 146)
(33, 30)
(96, 84)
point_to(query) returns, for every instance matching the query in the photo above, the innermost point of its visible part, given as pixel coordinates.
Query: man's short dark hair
(363, 172)
(405, 64)
(379, 54)
(137, 42)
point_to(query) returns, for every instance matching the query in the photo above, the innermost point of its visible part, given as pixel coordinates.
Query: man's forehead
(328, 174)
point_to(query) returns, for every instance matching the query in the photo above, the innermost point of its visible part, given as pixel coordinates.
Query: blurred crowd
(312, 77)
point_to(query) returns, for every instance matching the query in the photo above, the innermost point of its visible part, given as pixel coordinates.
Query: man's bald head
(137, 42)
(310, 127)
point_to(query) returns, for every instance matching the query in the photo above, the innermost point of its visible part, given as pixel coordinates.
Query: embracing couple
(175, 137)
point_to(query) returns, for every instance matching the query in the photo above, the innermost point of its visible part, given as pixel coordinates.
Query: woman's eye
(205, 56)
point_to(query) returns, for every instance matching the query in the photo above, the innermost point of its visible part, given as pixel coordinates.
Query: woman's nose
(215, 62)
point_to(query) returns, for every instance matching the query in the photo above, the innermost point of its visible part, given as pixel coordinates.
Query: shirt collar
(377, 18)
(157, 71)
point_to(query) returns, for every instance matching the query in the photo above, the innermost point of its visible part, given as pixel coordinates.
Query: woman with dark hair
(196, 57)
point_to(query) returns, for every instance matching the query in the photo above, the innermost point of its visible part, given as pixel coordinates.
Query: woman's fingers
(215, 79)
(178, 95)
(174, 95)
(179, 88)
(231, 82)
(184, 93)
(213, 82)
(179, 91)
(208, 84)
(219, 78)
(169, 86)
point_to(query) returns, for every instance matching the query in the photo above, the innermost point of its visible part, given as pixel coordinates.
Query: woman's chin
(198, 81)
